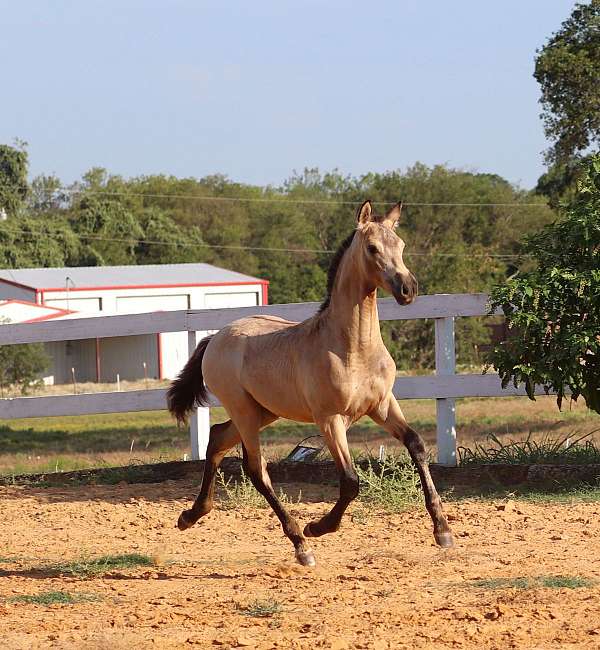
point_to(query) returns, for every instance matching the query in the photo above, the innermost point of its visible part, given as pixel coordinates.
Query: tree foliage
(13, 178)
(285, 234)
(568, 71)
(554, 310)
(22, 365)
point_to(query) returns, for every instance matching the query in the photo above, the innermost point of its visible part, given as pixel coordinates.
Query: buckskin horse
(330, 369)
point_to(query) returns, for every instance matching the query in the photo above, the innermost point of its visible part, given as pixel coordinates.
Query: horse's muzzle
(404, 288)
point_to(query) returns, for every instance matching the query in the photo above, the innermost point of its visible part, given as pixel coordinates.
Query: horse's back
(257, 326)
(259, 356)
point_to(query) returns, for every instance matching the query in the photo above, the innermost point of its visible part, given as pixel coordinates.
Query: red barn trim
(158, 286)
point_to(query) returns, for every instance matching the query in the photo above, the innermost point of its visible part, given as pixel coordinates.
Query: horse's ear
(364, 213)
(393, 215)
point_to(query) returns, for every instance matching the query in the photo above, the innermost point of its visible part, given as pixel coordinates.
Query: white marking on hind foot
(306, 558)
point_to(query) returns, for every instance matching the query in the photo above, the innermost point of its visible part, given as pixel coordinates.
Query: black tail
(188, 390)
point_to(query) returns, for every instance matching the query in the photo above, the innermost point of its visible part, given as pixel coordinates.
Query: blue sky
(255, 90)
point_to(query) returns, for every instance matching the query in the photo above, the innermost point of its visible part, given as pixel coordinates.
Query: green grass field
(79, 442)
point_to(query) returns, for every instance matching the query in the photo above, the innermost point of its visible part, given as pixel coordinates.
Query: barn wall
(152, 298)
(174, 353)
(126, 355)
(222, 299)
(89, 305)
(64, 355)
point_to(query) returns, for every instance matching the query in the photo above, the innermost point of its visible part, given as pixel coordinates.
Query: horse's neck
(352, 313)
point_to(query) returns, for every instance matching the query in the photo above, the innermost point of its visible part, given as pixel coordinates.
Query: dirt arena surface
(380, 582)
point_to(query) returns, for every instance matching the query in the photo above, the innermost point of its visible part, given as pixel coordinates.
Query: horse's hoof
(444, 539)
(306, 558)
(183, 523)
(308, 532)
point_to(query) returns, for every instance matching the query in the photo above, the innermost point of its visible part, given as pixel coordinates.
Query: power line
(244, 248)
(283, 199)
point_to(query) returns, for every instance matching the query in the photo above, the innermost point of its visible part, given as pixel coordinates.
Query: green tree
(46, 195)
(568, 71)
(23, 365)
(555, 308)
(29, 242)
(181, 244)
(109, 230)
(13, 178)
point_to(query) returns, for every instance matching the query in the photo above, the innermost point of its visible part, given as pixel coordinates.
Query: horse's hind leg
(249, 416)
(392, 420)
(334, 432)
(221, 439)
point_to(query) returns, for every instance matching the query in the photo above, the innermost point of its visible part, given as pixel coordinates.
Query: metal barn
(105, 290)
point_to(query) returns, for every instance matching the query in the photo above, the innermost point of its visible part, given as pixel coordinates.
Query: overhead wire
(280, 199)
(136, 242)
(286, 199)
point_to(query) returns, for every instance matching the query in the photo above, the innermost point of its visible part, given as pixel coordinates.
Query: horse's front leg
(389, 415)
(334, 433)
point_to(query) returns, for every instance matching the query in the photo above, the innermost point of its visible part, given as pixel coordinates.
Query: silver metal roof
(150, 275)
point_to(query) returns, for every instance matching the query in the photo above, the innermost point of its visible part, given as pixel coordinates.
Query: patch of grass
(566, 582)
(262, 609)
(91, 433)
(54, 598)
(239, 494)
(86, 568)
(391, 485)
(242, 494)
(567, 450)
(550, 492)
(537, 582)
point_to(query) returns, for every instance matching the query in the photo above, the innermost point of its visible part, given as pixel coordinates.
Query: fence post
(200, 418)
(445, 364)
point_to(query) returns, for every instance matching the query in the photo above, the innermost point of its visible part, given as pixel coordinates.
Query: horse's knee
(415, 445)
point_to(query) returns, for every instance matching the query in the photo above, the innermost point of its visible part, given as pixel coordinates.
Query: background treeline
(284, 234)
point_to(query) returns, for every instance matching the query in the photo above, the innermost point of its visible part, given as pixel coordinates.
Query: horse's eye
(373, 250)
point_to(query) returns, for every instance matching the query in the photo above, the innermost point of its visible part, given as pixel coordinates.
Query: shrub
(22, 365)
(555, 309)
(391, 485)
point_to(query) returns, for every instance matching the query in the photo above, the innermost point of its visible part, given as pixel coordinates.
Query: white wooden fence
(445, 386)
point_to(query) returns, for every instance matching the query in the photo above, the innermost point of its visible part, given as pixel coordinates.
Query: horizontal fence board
(448, 386)
(93, 327)
(214, 319)
(435, 306)
(83, 404)
(440, 305)
(421, 387)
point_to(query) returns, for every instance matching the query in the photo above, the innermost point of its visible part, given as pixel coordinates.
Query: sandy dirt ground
(380, 581)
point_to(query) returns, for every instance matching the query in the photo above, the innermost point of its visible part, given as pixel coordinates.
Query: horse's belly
(278, 393)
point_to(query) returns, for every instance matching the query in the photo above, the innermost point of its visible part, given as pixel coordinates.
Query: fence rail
(445, 386)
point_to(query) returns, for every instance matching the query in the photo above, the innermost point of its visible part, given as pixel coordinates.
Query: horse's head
(381, 251)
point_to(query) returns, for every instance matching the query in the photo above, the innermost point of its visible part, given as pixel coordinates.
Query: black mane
(333, 269)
